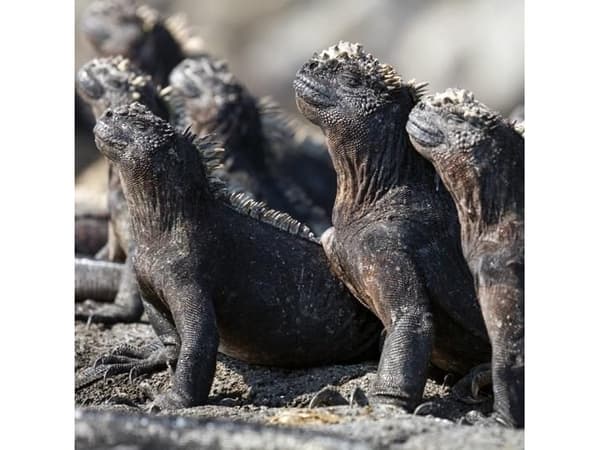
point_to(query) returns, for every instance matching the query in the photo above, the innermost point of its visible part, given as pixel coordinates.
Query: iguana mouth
(105, 138)
(426, 135)
(311, 92)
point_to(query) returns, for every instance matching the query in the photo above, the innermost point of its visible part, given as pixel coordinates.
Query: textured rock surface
(267, 396)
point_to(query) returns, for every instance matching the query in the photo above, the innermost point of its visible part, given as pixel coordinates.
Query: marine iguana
(91, 229)
(153, 43)
(217, 269)
(266, 153)
(480, 159)
(103, 83)
(395, 238)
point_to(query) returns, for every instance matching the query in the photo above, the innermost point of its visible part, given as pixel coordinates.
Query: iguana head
(111, 82)
(210, 97)
(454, 121)
(344, 85)
(132, 135)
(113, 27)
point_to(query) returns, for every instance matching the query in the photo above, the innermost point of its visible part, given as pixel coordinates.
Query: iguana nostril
(109, 113)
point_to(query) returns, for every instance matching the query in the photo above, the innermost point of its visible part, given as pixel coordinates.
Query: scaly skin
(395, 237)
(479, 157)
(219, 270)
(103, 83)
(265, 154)
(153, 43)
(97, 279)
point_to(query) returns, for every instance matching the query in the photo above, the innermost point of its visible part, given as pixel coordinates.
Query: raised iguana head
(154, 43)
(478, 155)
(343, 86)
(112, 82)
(172, 170)
(455, 122)
(132, 134)
(113, 27)
(207, 96)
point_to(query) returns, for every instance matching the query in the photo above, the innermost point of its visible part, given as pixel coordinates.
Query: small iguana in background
(103, 83)
(218, 270)
(395, 240)
(266, 153)
(480, 158)
(153, 43)
(91, 228)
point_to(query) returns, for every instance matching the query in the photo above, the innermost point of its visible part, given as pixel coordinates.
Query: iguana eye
(140, 126)
(349, 79)
(114, 83)
(454, 119)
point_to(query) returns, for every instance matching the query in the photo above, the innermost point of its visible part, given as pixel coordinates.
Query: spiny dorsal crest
(117, 67)
(463, 103)
(276, 122)
(181, 30)
(137, 110)
(177, 25)
(149, 16)
(377, 72)
(519, 127)
(211, 153)
(343, 50)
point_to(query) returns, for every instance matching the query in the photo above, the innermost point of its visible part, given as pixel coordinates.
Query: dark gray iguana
(266, 153)
(395, 240)
(218, 270)
(153, 43)
(103, 83)
(479, 157)
(91, 229)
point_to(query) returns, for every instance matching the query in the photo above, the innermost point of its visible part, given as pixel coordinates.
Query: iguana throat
(371, 161)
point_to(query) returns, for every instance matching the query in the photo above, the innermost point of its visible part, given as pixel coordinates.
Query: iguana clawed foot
(468, 388)
(477, 418)
(128, 359)
(330, 396)
(168, 401)
(108, 313)
(327, 396)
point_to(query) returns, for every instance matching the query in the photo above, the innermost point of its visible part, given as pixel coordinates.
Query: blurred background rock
(465, 43)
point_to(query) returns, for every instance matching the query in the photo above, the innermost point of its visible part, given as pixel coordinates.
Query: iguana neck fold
(166, 193)
(371, 161)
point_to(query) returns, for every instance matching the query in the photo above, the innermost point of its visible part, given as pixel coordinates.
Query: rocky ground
(259, 407)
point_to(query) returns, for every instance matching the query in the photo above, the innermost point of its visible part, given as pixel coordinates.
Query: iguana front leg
(196, 324)
(402, 371)
(127, 306)
(502, 305)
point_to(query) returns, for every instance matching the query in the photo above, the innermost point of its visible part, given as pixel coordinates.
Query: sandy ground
(274, 397)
